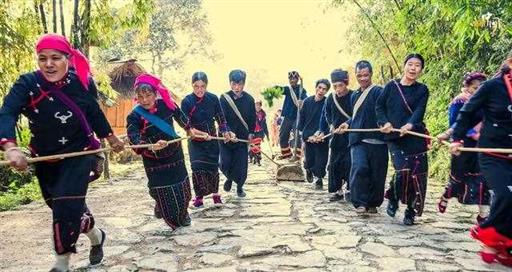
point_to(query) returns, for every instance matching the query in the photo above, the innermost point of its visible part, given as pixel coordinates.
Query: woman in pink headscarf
(151, 121)
(466, 182)
(60, 102)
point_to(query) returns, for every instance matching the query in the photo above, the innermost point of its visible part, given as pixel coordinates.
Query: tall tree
(43, 17)
(75, 27)
(177, 30)
(85, 28)
(54, 15)
(62, 23)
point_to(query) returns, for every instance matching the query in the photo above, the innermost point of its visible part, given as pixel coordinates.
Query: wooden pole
(276, 163)
(88, 152)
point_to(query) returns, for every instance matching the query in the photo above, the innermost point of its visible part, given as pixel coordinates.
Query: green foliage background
(454, 36)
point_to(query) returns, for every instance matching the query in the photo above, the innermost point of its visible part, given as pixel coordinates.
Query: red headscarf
(156, 83)
(76, 58)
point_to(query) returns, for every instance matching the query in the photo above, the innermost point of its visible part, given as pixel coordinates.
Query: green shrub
(23, 195)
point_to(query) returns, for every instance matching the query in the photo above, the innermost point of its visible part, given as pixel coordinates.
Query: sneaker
(392, 208)
(335, 197)
(240, 193)
(217, 200)
(96, 252)
(408, 220)
(227, 185)
(187, 221)
(372, 210)
(198, 202)
(309, 176)
(157, 212)
(409, 217)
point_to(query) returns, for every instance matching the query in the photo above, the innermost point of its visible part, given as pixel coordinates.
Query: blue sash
(156, 121)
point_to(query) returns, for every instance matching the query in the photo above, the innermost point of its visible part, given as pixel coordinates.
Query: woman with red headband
(466, 182)
(60, 102)
(494, 100)
(151, 122)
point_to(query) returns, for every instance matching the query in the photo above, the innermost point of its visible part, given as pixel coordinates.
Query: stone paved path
(278, 227)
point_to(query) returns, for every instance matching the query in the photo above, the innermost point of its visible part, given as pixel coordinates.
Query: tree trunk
(43, 18)
(54, 15)
(153, 62)
(85, 40)
(62, 25)
(75, 38)
(106, 164)
(36, 10)
(161, 66)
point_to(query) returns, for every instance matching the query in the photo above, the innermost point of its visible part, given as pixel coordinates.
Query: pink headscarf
(76, 58)
(156, 83)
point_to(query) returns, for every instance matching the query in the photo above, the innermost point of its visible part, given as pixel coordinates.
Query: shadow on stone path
(278, 227)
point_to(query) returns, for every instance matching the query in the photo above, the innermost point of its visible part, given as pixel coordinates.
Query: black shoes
(187, 221)
(392, 208)
(335, 197)
(96, 253)
(240, 193)
(309, 176)
(409, 217)
(227, 185)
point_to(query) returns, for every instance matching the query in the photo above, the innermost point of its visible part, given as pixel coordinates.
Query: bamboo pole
(270, 159)
(465, 149)
(354, 130)
(88, 152)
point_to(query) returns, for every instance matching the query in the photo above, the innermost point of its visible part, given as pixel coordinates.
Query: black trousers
(284, 132)
(368, 174)
(233, 162)
(409, 184)
(498, 173)
(64, 186)
(316, 158)
(339, 163)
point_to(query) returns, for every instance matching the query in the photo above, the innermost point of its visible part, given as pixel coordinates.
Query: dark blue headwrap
(237, 76)
(200, 76)
(338, 75)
